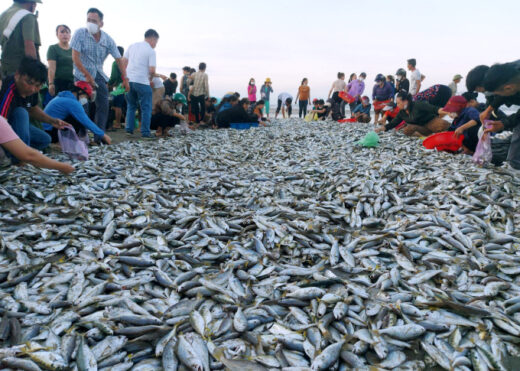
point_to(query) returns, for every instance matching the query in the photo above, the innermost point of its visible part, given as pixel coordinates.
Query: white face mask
(92, 28)
(405, 106)
(83, 101)
(361, 79)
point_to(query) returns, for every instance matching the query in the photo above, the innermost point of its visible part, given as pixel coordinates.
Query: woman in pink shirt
(251, 91)
(14, 145)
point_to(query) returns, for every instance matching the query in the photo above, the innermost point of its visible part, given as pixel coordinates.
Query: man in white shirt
(415, 78)
(284, 101)
(141, 63)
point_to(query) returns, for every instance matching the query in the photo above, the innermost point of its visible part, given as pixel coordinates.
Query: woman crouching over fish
(421, 119)
(25, 154)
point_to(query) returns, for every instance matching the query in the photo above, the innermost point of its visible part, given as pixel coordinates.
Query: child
(251, 91)
(259, 112)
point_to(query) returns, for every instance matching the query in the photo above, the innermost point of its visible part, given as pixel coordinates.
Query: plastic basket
(240, 126)
(445, 141)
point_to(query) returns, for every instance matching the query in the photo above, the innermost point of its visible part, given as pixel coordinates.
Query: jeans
(101, 117)
(514, 150)
(29, 134)
(198, 107)
(139, 94)
(303, 108)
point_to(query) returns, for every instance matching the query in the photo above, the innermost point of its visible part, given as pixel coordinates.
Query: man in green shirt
(19, 34)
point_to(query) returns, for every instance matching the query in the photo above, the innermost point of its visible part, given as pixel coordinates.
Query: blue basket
(255, 124)
(241, 126)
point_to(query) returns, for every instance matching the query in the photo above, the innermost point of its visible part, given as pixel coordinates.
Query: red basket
(352, 119)
(347, 97)
(446, 141)
(380, 104)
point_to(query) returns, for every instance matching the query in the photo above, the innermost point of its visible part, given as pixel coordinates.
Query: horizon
(292, 40)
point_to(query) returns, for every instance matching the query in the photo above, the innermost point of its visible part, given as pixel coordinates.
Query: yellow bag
(311, 117)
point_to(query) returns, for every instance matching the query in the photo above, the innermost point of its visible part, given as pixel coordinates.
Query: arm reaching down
(31, 156)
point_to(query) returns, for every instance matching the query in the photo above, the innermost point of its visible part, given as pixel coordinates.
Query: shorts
(118, 101)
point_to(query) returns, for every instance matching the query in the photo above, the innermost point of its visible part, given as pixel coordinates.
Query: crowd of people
(74, 93)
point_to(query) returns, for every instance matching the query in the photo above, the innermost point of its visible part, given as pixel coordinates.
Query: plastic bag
(483, 154)
(370, 140)
(118, 91)
(310, 117)
(72, 145)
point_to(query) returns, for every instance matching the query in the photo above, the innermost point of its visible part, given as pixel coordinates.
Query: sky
(288, 40)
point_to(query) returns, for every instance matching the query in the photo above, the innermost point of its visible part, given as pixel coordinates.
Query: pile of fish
(288, 247)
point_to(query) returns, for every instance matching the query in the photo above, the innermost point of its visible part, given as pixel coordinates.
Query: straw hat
(267, 80)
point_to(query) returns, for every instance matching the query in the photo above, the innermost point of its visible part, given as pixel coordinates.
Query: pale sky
(287, 40)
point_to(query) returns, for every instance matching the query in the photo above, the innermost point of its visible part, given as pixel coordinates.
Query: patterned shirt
(200, 84)
(93, 53)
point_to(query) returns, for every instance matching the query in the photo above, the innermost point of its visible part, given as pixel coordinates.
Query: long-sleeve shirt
(419, 113)
(403, 85)
(356, 88)
(66, 104)
(362, 109)
(235, 115)
(200, 84)
(383, 93)
(265, 92)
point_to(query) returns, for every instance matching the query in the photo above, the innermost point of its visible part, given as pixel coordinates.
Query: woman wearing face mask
(303, 97)
(68, 106)
(59, 58)
(356, 88)
(420, 118)
(251, 91)
(382, 94)
(402, 84)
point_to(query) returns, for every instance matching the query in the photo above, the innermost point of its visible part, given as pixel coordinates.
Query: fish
(284, 247)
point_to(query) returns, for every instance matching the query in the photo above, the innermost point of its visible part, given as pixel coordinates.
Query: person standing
(59, 58)
(90, 48)
(198, 93)
(303, 97)
(338, 86)
(356, 88)
(402, 82)
(117, 91)
(170, 85)
(19, 35)
(453, 84)
(415, 78)
(141, 61)
(265, 94)
(251, 91)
